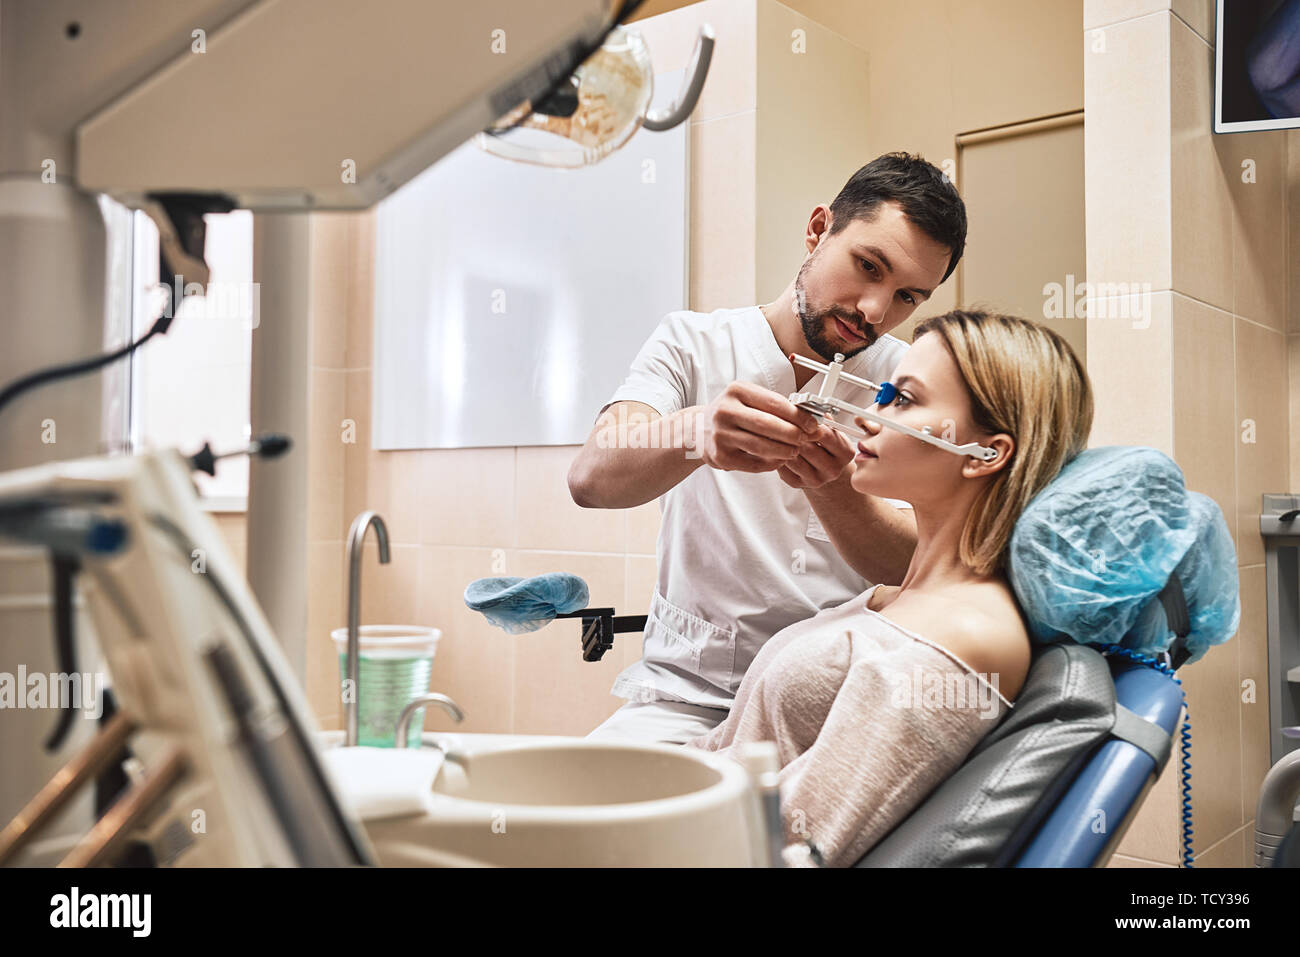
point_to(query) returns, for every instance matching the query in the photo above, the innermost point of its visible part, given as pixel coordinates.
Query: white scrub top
(741, 555)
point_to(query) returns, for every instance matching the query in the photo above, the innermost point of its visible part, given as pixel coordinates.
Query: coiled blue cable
(1185, 741)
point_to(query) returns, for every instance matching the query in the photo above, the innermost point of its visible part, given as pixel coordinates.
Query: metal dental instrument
(824, 405)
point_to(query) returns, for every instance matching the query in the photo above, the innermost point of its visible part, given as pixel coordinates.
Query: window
(192, 384)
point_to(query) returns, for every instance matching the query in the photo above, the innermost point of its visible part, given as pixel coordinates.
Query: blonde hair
(1025, 380)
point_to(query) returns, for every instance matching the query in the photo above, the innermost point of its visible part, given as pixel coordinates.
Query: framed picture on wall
(1257, 66)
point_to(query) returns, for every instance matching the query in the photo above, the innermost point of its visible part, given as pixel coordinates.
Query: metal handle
(660, 120)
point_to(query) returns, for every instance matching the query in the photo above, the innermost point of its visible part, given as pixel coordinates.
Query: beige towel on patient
(868, 719)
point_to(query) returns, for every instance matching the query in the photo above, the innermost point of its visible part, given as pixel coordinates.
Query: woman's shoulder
(979, 622)
(988, 632)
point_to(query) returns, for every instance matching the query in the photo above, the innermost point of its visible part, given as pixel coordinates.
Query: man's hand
(752, 429)
(820, 461)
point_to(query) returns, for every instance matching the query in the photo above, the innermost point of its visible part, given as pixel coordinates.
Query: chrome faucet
(356, 538)
(441, 700)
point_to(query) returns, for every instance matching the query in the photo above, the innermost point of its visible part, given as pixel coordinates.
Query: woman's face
(930, 393)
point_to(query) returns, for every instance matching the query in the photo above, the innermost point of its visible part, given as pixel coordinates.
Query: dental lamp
(824, 405)
(602, 105)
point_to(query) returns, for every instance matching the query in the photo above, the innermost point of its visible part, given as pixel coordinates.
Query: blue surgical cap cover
(520, 605)
(1093, 549)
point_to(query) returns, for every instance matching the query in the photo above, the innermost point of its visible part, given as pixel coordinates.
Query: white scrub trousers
(665, 722)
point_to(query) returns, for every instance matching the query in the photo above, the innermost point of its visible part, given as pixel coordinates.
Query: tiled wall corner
(1213, 237)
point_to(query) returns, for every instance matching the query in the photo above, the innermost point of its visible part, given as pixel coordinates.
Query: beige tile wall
(935, 68)
(453, 515)
(457, 515)
(1293, 299)
(1168, 205)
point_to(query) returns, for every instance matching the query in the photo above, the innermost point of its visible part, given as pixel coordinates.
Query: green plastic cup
(396, 662)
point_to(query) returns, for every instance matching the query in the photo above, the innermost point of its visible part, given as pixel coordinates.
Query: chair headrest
(1092, 552)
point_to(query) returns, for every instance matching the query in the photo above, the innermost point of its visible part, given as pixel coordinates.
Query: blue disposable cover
(1093, 549)
(520, 605)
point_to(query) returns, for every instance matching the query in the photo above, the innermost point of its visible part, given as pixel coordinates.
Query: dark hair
(927, 197)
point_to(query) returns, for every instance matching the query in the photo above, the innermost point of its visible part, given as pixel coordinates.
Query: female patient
(874, 702)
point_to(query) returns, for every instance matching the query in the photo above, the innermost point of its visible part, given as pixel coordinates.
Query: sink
(577, 775)
(541, 800)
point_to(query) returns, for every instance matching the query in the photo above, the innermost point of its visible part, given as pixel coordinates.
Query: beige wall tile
(1155, 834)
(1293, 226)
(1226, 853)
(1252, 665)
(815, 90)
(1213, 703)
(1025, 205)
(1129, 364)
(1202, 203)
(1098, 13)
(325, 452)
(361, 293)
(912, 84)
(366, 480)
(1259, 225)
(1248, 846)
(330, 272)
(1119, 860)
(466, 496)
(1014, 59)
(985, 64)
(326, 610)
(1127, 155)
(556, 692)
(1261, 399)
(234, 532)
(733, 88)
(1204, 432)
(474, 664)
(1293, 375)
(546, 516)
(372, 495)
(408, 500)
(723, 223)
(1199, 15)
(389, 593)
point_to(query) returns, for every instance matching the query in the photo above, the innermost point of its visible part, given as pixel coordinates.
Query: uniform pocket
(815, 530)
(689, 641)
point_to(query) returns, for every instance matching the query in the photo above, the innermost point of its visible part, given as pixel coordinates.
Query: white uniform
(741, 555)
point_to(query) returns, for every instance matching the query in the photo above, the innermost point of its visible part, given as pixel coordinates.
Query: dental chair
(1060, 779)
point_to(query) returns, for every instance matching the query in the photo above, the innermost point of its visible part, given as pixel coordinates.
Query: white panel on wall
(511, 299)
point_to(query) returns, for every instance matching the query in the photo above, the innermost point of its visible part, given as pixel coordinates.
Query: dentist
(703, 419)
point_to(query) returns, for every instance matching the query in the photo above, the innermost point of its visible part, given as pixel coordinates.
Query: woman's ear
(1004, 445)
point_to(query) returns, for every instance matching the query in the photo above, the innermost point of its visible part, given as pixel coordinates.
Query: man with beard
(703, 418)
